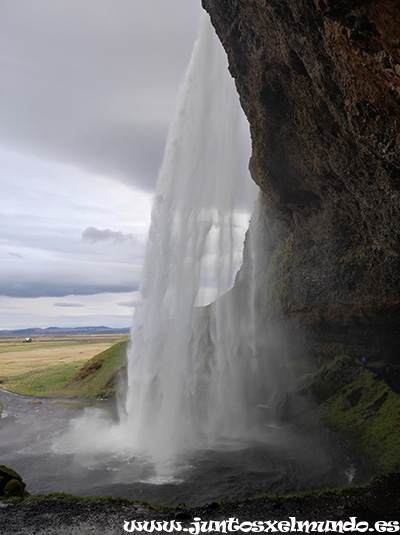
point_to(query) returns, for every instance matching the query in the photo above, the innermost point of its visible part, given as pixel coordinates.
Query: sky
(88, 90)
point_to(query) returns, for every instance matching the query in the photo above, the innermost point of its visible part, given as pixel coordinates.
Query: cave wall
(319, 81)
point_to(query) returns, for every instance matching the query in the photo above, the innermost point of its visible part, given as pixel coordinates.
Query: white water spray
(186, 363)
(198, 376)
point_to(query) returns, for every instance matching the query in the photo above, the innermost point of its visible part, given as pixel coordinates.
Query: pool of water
(32, 438)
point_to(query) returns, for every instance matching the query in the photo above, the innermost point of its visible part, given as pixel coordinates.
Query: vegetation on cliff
(356, 402)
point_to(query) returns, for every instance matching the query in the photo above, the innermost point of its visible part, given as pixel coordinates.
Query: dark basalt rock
(319, 81)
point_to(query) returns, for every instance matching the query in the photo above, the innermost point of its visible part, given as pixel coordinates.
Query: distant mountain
(63, 331)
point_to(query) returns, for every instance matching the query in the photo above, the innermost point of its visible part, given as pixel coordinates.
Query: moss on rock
(13, 489)
(11, 483)
(357, 403)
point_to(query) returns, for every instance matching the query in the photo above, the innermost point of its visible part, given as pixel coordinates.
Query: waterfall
(208, 368)
(186, 363)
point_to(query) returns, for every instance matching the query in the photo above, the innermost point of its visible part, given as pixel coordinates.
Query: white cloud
(56, 275)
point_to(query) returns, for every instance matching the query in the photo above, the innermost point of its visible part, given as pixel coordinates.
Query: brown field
(17, 358)
(18, 341)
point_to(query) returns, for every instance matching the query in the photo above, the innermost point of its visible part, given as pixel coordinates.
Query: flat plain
(18, 358)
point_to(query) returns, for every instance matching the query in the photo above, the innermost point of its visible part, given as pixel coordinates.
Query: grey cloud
(59, 276)
(59, 289)
(68, 305)
(129, 153)
(129, 304)
(94, 84)
(94, 234)
(14, 229)
(42, 235)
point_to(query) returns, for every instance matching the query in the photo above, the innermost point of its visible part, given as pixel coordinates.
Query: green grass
(95, 378)
(98, 378)
(356, 403)
(45, 383)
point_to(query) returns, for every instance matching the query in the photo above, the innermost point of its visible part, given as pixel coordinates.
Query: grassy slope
(97, 378)
(358, 404)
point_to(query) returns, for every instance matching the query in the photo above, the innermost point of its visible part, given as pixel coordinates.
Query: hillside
(99, 377)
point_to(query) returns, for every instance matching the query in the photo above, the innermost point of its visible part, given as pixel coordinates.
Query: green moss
(374, 431)
(13, 488)
(356, 403)
(9, 473)
(11, 484)
(328, 380)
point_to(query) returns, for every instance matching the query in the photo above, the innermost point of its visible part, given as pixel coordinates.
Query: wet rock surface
(320, 84)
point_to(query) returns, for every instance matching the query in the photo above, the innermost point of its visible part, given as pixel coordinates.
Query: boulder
(14, 488)
(11, 483)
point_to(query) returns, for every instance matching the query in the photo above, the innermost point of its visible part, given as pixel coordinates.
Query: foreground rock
(72, 516)
(11, 484)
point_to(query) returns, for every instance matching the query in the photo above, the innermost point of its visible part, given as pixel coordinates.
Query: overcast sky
(87, 91)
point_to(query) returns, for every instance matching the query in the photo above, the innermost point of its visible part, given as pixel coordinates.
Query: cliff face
(319, 81)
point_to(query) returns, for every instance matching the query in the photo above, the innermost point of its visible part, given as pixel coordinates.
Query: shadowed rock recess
(319, 81)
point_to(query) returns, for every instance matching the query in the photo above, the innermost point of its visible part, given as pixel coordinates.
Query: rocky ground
(63, 515)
